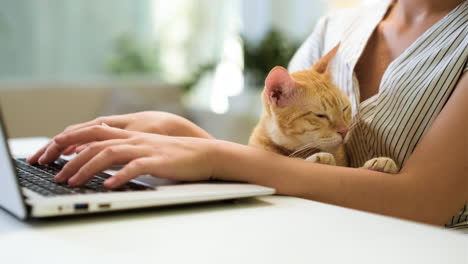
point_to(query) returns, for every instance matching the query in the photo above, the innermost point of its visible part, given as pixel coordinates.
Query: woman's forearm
(388, 194)
(356, 188)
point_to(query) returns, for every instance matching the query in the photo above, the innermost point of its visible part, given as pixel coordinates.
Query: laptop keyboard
(40, 179)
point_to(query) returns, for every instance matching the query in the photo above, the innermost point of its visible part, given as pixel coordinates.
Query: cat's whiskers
(305, 153)
(306, 149)
(310, 152)
(297, 152)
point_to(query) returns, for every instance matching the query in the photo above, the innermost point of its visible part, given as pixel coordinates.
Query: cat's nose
(342, 132)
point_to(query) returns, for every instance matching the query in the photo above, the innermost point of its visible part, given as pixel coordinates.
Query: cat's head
(305, 107)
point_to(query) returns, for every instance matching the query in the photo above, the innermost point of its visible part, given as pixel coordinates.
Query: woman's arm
(431, 187)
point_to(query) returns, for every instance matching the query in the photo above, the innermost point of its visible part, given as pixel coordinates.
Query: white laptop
(29, 191)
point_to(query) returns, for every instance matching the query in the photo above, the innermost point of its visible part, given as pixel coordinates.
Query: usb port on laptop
(81, 207)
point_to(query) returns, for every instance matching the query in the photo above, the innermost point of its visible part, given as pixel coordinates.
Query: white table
(271, 229)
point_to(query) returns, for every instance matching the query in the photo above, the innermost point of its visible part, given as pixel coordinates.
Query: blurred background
(69, 61)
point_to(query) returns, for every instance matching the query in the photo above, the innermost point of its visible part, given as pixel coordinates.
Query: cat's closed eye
(321, 116)
(345, 108)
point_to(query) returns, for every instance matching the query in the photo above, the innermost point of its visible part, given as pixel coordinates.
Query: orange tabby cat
(305, 115)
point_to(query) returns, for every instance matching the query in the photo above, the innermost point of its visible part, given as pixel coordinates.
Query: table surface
(271, 229)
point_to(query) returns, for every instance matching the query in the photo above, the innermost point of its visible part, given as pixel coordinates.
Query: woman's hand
(178, 158)
(150, 122)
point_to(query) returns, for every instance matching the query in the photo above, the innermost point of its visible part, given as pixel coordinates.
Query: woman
(404, 66)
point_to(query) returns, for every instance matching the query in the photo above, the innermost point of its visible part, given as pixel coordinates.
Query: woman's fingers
(82, 147)
(80, 136)
(132, 170)
(118, 121)
(73, 166)
(70, 150)
(117, 154)
(34, 158)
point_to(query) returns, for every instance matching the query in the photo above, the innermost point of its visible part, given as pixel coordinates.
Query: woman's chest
(371, 66)
(383, 46)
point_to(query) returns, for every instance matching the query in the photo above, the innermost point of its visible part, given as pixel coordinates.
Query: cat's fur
(305, 115)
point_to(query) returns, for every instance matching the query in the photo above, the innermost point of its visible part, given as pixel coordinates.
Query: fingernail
(41, 160)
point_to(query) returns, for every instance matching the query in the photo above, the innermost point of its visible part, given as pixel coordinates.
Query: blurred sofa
(46, 108)
(32, 108)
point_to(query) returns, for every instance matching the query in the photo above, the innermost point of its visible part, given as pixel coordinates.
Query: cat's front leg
(382, 164)
(322, 158)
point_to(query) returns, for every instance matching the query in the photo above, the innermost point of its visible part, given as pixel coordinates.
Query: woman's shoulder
(339, 23)
(329, 31)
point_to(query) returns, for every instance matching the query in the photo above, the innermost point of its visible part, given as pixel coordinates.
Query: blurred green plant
(132, 58)
(195, 77)
(259, 58)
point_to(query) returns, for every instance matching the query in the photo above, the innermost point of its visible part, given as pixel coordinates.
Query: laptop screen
(10, 194)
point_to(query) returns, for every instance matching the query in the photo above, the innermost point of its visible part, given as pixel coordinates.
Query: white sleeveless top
(413, 89)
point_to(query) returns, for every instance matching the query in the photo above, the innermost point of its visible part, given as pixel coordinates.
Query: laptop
(29, 191)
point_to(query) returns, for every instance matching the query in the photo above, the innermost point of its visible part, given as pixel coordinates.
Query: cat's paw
(382, 164)
(322, 158)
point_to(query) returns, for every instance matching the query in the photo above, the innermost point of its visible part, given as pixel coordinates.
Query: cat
(306, 116)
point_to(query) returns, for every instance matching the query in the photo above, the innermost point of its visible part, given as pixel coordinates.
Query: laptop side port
(104, 206)
(81, 207)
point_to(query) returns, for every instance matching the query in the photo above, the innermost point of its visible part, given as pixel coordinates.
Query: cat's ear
(322, 66)
(279, 86)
